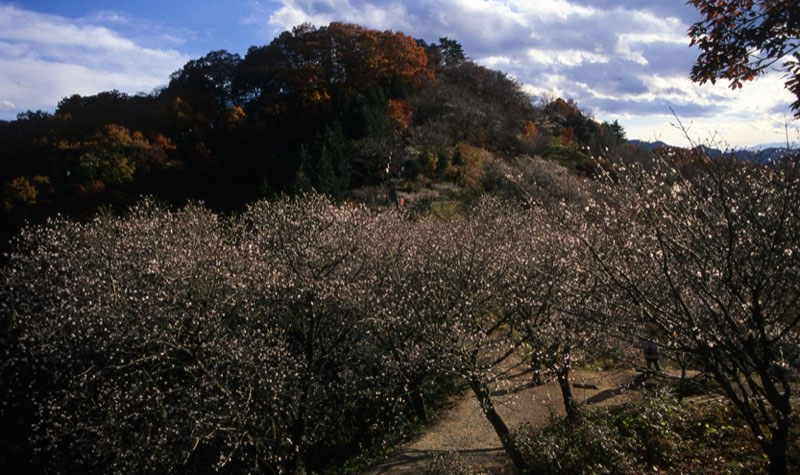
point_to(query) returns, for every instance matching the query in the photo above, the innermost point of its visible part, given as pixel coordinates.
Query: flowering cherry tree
(309, 262)
(552, 301)
(150, 351)
(400, 324)
(707, 256)
(181, 341)
(453, 294)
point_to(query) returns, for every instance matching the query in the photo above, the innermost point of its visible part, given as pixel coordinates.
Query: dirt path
(466, 431)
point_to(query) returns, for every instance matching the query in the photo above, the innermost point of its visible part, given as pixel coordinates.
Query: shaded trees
(452, 297)
(317, 253)
(207, 82)
(552, 301)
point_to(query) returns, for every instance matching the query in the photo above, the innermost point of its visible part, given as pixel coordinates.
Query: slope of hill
(336, 109)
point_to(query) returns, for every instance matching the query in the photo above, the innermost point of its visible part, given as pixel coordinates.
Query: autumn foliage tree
(741, 39)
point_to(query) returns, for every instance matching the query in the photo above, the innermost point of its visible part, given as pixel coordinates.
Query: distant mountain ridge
(758, 153)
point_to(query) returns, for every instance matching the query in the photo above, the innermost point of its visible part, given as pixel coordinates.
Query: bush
(649, 427)
(590, 445)
(624, 440)
(570, 156)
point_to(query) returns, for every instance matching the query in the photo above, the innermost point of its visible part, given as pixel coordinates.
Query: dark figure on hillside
(395, 198)
(650, 349)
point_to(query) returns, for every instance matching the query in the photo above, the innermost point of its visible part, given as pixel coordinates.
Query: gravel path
(465, 430)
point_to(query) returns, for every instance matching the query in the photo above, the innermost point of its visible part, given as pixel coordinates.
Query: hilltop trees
(741, 39)
(338, 108)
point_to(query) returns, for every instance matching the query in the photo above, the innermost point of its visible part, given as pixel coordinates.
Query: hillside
(337, 109)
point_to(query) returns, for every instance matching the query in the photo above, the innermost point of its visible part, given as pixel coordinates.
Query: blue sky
(627, 60)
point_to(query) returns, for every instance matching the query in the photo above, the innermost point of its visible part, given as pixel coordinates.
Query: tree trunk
(500, 427)
(776, 452)
(566, 392)
(296, 434)
(682, 386)
(418, 403)
(298, 429)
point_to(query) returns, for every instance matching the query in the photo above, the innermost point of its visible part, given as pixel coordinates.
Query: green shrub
(589, 445)
(570, 156)
(623, 440)
(648, 427)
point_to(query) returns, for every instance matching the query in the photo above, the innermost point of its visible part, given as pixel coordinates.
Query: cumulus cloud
(44, 58)
(619, 59)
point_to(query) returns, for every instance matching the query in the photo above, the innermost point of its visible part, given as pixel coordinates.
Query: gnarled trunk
(417, 402)
(566, 392)
(500, 427)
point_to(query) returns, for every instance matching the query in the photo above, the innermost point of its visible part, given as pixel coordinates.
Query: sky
(625, 60)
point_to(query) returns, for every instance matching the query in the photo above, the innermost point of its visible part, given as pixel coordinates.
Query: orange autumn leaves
(313, 65)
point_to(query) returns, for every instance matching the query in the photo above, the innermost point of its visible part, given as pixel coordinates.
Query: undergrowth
(656, 433)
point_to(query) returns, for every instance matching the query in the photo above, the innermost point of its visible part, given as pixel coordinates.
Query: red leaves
(400, 112)
(739, 39)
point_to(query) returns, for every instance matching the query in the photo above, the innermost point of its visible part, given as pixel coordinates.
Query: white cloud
(380, 15)
(565, 57)
(620, 59)
(495, 62)
(44, 58)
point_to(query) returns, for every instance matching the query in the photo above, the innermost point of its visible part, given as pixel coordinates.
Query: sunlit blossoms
(703, 258)
(291, 336)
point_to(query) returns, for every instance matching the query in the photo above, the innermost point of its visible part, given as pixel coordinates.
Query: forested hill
(340, 108)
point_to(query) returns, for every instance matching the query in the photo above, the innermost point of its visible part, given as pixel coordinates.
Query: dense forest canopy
(334, 108)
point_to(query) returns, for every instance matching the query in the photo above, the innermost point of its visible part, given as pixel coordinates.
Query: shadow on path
(415, 460)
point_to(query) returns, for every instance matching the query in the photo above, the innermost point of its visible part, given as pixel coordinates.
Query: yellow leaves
(164, 143)
(113, 155)
(235, 115)
(529, 131)
(113, 133)
(567, 135)
(400, 112)
(113, 168)
(317, 96)
(93, 188)
(469, 164)
(21, 192)
(180, 109)
(18, 192)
